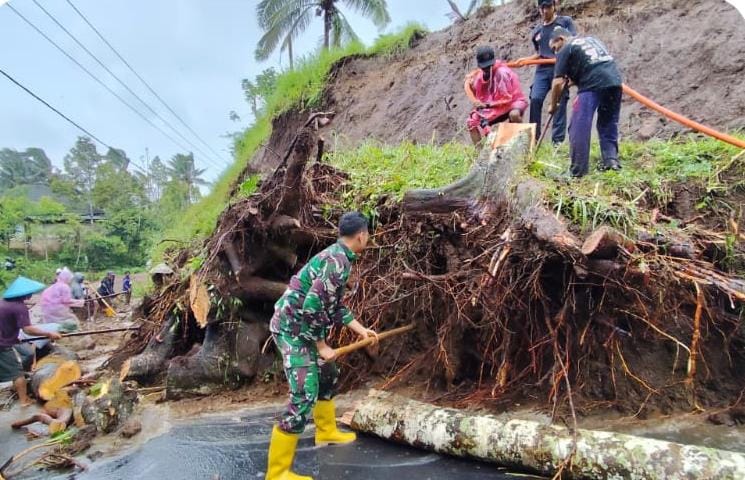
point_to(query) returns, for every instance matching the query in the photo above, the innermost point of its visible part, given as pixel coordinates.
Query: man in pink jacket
(496, 91)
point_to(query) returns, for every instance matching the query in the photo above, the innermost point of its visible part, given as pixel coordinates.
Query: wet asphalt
(236, 448)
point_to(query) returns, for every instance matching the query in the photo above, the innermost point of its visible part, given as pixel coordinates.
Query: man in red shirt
(14, 317)
(495, 89)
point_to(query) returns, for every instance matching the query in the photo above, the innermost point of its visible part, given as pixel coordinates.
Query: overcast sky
(194, 53)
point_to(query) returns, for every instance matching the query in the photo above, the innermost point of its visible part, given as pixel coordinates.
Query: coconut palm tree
(285, 20)
(181, 168)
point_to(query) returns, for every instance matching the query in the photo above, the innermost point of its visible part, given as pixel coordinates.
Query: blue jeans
(544, 77)
(607, 102)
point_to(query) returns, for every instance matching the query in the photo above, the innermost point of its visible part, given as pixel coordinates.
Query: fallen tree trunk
(538, 447)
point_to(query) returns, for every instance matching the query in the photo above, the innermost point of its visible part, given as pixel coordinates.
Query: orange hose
(536, 61)
(651, 104)
(681, 119)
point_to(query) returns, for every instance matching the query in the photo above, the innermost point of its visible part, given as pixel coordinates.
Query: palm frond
(375, 10)
(290, 26)
(268, 11)
(471, 7)
(455, 14)
(341, 31)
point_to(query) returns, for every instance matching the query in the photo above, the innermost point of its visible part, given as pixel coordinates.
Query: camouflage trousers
(309, 379)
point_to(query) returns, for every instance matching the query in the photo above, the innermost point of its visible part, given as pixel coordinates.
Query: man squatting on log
(14, 317)
(586, 62)
(310, 306)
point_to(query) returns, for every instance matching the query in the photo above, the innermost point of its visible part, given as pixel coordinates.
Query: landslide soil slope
(684, 55)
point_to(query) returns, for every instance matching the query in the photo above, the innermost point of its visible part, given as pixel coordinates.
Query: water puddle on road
(234, 446)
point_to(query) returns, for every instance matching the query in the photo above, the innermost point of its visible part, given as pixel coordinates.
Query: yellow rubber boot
(281, 454)
(324, 414)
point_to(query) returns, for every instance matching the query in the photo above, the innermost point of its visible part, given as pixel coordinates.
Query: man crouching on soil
(310, 306)
(496, 91)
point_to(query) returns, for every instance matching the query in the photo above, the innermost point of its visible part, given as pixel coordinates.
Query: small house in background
(38, 233)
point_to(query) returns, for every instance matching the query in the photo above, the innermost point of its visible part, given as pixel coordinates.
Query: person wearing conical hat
(14, 317)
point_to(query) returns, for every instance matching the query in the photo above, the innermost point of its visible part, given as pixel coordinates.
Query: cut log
(491, 179)
(537, 447)
(48, 379)
(107, 411)
(605, 242)
(154, 358)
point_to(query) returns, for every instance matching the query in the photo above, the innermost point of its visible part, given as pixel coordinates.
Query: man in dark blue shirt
(586, 62)
(544, 74)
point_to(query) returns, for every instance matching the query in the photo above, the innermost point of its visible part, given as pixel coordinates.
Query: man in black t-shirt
(585, 61)
(544, 74)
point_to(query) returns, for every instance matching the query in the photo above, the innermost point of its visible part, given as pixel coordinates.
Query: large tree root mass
(508, 299)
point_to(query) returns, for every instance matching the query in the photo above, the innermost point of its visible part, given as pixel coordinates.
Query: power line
(116, 52)
(96, 79)
(68, 119)
(122, 83)
(27, 90)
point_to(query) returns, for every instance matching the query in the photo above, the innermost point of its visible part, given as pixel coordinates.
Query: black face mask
(486, 72)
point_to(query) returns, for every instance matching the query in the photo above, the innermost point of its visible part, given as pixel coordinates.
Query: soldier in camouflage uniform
(310, 306)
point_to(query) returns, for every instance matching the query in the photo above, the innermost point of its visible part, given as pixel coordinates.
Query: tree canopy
(283, 21)
(96, 210)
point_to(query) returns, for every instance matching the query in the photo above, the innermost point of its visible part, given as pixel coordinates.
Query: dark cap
(485, 56)
(545, 2)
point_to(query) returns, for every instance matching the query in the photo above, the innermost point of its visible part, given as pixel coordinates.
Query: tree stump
(489, 178)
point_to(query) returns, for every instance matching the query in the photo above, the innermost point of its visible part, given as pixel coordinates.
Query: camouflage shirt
(312, 302)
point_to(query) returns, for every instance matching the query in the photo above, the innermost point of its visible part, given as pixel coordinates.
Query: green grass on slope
(298, 88)
(303, 87)
(382, 170)
(651, 171)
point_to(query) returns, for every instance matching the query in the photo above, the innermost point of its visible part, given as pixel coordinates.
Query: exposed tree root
(506, 299)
